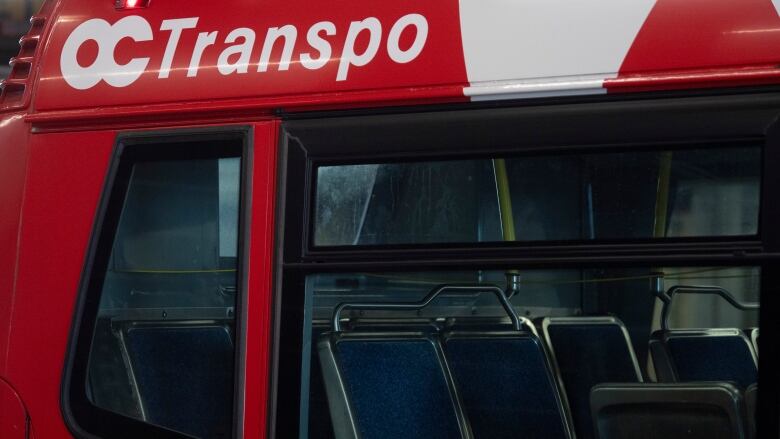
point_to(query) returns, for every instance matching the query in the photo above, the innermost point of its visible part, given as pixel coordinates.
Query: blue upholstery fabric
(397, 389)
(590, 354)
(505, 387)
(185, 377)
(706, 358)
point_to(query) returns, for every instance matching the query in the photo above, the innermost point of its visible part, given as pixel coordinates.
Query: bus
(377, 220)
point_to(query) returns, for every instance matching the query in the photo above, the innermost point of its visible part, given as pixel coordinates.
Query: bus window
(164, 337)
(579, 330)
(595, 196)
(510, 341)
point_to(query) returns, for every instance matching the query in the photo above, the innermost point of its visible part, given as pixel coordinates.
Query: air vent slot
(15, 89)
(27, 45)
(20, 67)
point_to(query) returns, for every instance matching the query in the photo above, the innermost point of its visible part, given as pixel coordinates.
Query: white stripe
(521, 41)
(535, 88)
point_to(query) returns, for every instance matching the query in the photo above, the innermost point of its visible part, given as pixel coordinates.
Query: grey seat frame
(725, 396)
(754, 340)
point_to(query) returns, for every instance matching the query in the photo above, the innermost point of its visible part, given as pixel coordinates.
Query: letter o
(105, 67)
(75, 75)
(393, 39)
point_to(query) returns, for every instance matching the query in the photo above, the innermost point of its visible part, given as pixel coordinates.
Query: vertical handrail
(507, 219)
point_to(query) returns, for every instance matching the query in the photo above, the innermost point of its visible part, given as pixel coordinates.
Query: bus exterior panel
(240, 170)
(359, 53)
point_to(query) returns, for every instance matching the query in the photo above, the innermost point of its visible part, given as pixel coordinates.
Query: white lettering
(348, 56)
(393, 49)
(361, 44)
(175, 26)
(244, 49)
(105, 66)
(290, 33)
(204, 40)
(319, 44)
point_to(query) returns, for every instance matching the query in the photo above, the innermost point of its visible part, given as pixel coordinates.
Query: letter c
(104, 67)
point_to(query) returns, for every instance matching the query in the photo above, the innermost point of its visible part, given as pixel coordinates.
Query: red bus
(471, 219)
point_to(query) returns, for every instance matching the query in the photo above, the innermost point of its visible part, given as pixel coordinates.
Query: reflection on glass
(645, 194)
(164, 339)
(600, 325)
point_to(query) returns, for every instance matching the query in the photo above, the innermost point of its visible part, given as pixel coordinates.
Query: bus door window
(162, 350)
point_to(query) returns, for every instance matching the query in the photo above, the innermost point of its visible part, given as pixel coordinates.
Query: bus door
(174, 299)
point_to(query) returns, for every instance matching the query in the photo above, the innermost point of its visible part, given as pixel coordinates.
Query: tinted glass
(600, 324)
(163, 346)
(626, 195)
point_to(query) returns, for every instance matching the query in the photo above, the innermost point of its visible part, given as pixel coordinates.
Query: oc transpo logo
(239, 51)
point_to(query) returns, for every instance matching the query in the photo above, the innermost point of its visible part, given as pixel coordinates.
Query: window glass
(599, 325)
(640, 194)
(163, 346)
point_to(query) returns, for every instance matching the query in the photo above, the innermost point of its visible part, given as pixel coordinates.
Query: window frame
(603, 124)
(84, 419)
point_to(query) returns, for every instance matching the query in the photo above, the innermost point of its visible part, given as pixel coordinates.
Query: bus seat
(671, 411)
(389, 385)
(589, 351)
(506, 384)
(184, 375)
(751, 398)
(705, 355)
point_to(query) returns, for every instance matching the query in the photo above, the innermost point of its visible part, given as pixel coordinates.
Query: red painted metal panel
(261, 269)
(13, 416)
(13, 164)
(703, 43)
(235, 110)
(65, 178)
(79, 68)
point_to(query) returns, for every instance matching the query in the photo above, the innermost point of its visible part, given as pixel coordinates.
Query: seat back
(506, 385)
(589, 351)
(389, 385)
(184, 375)
(668, 411)
(705, 355)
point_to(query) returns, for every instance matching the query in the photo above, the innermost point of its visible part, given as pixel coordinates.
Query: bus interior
(602, 349)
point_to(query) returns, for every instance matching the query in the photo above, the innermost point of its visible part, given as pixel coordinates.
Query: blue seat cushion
(397, 389)
(590, 354)
(713, 358)
(506, 387)
(185, 377)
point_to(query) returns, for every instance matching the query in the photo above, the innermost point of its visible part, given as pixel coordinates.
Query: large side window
(593, 270)
(710, 191)
(162, 296)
